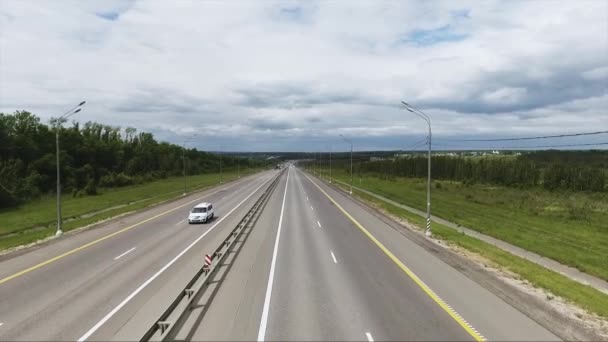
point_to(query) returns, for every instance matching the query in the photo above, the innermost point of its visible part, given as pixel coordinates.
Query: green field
(584, 296)
(37, 219)
(571, 228)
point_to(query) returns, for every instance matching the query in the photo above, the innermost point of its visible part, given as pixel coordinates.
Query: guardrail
(170, 318)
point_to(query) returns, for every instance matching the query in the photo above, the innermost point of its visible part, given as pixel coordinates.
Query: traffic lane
(311, 299)
(493, 317)
(234, 311)
(66, 272)
(390, 304)
(67, 276)
(134, 319)
(88, 282)
(15, 262)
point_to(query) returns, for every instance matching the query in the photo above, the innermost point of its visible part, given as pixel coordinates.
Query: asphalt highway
(91, 284)
(316, 266)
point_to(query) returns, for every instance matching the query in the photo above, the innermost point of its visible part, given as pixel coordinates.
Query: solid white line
(318, 223)
(264, 320)
(163, 269)
(125, 253)
(369, 336)
(333, 257)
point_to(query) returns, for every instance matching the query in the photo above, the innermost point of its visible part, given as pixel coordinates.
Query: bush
(7, 199)
(91, 188)
(578, 212)
(112, 180)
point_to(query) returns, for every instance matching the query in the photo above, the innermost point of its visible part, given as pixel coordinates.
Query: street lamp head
(405, 103)
(410, 109)
(81, 103)
(77, 110)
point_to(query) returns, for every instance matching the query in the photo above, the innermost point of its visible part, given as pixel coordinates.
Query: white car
(201, 213)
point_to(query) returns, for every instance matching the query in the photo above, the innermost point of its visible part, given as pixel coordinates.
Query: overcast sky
(293, 76)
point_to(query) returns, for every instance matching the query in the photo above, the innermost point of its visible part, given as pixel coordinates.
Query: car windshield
(199, 210)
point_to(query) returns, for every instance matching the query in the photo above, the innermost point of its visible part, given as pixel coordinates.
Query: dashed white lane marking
(307, 198)
(369, 336)
(318, 223)
(311, 208)
(333, 257)
(125, 253)
(1, 324)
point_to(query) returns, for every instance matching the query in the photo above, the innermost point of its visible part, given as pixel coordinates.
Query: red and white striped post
(208, 260)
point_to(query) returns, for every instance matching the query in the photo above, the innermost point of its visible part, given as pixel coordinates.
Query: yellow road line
(467, 327)
(44, 263)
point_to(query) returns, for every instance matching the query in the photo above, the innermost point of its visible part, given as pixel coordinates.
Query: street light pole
(428, 182)
(351, 162)
(58, 123)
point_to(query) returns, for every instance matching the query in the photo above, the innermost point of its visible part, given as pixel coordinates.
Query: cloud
(507, 95)
(250, 73)
(429, 37)
(600, 74)
(108, 15)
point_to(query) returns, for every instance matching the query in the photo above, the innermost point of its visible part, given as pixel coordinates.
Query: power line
(521, 147)
(531, 138)
(414, 148)
(416, 144)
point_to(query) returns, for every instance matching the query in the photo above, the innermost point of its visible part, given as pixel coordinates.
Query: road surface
(317, 266)
(90, 285)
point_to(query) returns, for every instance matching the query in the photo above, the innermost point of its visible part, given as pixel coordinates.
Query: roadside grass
(37, 219)
(584, 296)
(571, 228)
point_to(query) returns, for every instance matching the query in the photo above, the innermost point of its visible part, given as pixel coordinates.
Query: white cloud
(507, 95)
(242, 70)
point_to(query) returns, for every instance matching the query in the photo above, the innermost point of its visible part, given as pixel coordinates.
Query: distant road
(337, 277)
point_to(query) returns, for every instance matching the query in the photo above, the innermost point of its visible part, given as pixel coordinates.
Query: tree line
(91, 155)
(527, 170)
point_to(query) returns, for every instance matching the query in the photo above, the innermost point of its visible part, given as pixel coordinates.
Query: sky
(294, 76)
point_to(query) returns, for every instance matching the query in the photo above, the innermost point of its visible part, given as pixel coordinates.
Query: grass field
(37, 219)
(571, 228)
(584, 296)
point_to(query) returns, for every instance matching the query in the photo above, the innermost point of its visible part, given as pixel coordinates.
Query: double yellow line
(469, 329)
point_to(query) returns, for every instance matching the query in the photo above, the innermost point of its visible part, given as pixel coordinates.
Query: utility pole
(428, 182)
(58, 123)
